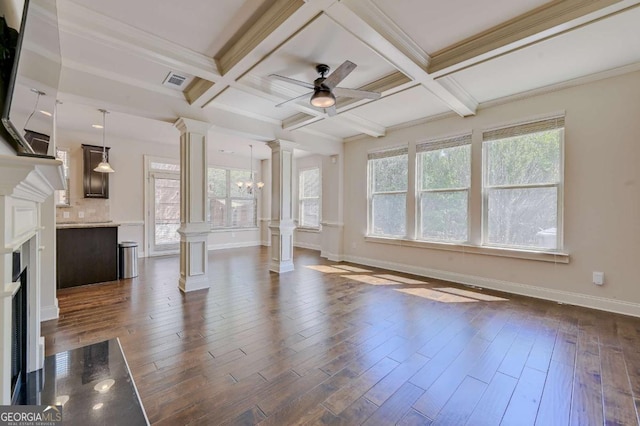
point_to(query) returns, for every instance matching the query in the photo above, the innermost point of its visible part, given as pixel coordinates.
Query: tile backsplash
(84, 210)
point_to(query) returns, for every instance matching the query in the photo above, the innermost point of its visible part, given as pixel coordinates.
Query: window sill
(218, 230)
(307, 229)
(542, 256)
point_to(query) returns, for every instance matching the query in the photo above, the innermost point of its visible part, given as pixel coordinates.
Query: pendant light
(104, 166)
(249, 185)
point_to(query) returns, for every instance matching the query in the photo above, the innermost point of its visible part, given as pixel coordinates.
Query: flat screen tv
(29, 74)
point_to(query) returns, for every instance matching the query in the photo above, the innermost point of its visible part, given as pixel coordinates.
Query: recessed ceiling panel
(109, 61)
(200, 25)
(435, 25)
(322, 41)
(333, 127)
(603, 45)
(408, 105)
(242, 101)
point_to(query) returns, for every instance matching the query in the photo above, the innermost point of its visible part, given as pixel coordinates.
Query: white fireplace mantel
(25, 183)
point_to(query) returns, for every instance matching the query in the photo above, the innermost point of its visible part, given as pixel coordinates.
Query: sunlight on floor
(435, 295)
(418, 288)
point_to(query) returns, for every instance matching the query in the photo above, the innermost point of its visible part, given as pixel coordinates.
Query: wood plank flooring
(346, 344)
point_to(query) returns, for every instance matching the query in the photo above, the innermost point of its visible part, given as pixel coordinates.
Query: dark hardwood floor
(347, 344)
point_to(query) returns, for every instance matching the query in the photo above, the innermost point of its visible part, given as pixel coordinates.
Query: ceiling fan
(325, 87)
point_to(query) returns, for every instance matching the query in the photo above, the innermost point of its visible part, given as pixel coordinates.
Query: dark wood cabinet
(96, 184)
(86, 255)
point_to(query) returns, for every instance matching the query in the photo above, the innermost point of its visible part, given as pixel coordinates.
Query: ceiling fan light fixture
(323, 98)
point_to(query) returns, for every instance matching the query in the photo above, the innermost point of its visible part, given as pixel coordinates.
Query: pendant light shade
(104, 166)
(322, 98)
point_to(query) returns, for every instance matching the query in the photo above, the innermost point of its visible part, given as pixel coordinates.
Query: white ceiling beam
(369, 24)
(82, 22)
(549, 20)
(279, 23)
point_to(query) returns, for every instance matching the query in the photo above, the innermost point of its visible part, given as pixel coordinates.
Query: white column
(194, 227)
(281, 225)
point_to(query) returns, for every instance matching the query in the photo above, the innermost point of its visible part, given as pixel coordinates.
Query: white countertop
(64, 225)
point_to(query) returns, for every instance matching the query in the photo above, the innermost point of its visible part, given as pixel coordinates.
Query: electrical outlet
(65, 215)
(81, 214)
(598, 278)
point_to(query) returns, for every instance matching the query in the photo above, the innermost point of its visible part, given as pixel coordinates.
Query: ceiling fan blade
(355, 93)
(292, 81)
(339, 74)
(293, 99)
(331, 111)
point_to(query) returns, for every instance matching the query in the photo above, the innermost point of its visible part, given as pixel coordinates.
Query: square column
(194, 227)
(282, 224)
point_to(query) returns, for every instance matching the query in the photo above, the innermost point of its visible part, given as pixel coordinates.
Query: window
(523, 185)
(444, 176)
(309, 198)
(62, 195)
(230, 207)
(388, 177)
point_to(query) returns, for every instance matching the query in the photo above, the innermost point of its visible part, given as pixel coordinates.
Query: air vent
(174, 80)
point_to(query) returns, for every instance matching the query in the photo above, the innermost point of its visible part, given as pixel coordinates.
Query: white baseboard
(594, 302)
(265, 243)
(49, 312)
(333, 257)
(307, 246)
(233, 245)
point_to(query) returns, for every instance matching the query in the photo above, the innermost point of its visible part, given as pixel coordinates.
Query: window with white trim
(62, 195)
(309, 189)
(522, 185)
(229, 206)
(388, 177)
(444, 178)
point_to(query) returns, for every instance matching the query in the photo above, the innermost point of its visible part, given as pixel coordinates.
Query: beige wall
(126, 186)
(601, 201)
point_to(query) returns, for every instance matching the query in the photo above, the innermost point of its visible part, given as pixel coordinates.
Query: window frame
(229, 198)
(559, 185)
(439, 145)
(379, 154)
(302, 198)
(66, 171)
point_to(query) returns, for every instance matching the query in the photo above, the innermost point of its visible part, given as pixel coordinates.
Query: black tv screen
(30, 74)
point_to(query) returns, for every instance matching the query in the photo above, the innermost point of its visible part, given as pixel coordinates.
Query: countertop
(65, 225)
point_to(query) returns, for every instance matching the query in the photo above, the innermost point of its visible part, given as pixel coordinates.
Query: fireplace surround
(25, 184)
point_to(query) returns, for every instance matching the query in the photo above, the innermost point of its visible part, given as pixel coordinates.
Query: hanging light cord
(35, 107)
(104, 150)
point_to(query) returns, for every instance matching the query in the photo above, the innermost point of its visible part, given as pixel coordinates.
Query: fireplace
(19, 333)
(26, 234)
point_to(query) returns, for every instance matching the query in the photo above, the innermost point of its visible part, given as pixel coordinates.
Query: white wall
(126, 186)
(601, 201)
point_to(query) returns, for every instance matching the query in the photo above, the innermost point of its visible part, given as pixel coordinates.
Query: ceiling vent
(174, 80)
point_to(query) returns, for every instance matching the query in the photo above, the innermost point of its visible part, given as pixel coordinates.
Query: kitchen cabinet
(86, 254)
(95, 184)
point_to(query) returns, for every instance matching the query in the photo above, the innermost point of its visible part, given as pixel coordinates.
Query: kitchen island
(86, 253)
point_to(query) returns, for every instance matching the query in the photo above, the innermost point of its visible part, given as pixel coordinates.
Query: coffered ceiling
(426, 58)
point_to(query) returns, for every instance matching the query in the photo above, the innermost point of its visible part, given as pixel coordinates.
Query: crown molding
(197, 88)
(549, 20)
(459, 92)
(80, 21)
(269, 22)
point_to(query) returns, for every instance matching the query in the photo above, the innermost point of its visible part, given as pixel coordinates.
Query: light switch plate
(598, 278)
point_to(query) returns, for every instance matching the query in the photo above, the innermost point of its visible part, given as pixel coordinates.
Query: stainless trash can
(128, 259)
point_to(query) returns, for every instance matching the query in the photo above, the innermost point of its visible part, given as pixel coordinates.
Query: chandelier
(249, 185)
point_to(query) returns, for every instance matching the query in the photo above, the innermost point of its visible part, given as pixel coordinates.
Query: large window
(444, 177)
(388, 175)
(523, 185)
(230, 207)
(309, 198)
